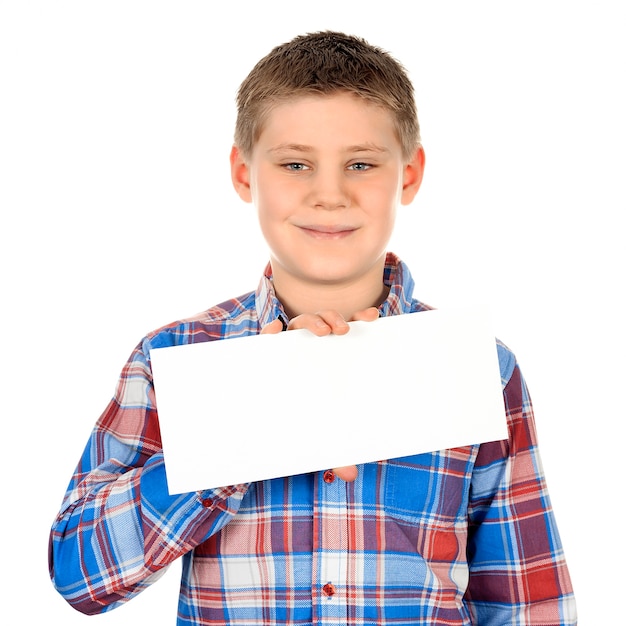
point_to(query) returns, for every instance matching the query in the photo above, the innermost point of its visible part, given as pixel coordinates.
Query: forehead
(337, 118)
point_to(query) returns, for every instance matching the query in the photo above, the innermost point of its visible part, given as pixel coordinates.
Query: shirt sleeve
(518, 573)
(118, 528)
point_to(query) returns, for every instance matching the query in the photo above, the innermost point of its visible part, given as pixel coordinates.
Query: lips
(332, 231)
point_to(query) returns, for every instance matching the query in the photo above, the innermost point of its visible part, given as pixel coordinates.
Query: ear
(412, 177)
(240, 174)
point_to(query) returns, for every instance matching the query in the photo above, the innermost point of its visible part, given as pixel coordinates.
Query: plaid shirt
(458, 536)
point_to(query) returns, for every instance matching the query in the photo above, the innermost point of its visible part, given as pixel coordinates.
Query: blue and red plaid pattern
(459, 536)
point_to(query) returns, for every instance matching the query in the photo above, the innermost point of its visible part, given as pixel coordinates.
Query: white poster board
(265, 406)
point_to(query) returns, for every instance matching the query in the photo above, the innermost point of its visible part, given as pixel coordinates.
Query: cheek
(271, 211)
(382, 201)
(276, 202)
(386, 190)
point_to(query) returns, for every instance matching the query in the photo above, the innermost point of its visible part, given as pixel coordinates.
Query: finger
(311, 322)
(347, 473)
(272, 328)
(367, 315)
(335, 321)
(320, 323)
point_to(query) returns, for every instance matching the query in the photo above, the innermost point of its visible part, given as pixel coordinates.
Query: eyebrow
(297, 147)
(291, 147)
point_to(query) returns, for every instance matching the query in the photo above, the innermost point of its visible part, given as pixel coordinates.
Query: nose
(329, 189)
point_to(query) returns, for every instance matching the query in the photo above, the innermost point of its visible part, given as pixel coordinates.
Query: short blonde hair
(324, 63)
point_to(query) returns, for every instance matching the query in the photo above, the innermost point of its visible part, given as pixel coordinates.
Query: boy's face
(326, 176)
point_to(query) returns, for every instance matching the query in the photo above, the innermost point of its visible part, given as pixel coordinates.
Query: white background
(118, 216)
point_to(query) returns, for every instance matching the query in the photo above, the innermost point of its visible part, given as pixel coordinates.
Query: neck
(345, 297)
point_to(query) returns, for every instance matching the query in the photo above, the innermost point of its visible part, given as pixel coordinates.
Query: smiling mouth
(328, 232)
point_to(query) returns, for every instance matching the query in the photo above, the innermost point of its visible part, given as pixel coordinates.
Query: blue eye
(360, 167)
(295, 167)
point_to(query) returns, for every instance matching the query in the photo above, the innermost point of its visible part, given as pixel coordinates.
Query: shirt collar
(400, 282)
(396, 276)
(268, 307)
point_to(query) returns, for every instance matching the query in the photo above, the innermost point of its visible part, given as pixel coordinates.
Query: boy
(326, 146)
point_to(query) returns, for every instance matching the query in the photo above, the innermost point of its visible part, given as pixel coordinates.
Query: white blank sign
(260, 407)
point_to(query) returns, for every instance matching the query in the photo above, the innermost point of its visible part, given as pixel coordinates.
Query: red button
(329, 589)
(207, 503)
(329, 476)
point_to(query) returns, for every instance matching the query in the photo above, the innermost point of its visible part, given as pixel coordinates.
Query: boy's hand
(320, 324)
(323, 322)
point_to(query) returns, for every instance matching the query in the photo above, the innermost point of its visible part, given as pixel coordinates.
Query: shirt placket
(330, 551)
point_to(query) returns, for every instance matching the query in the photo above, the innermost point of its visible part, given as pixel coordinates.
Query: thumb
(347, 473)
(367, 315)
(273, 328)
